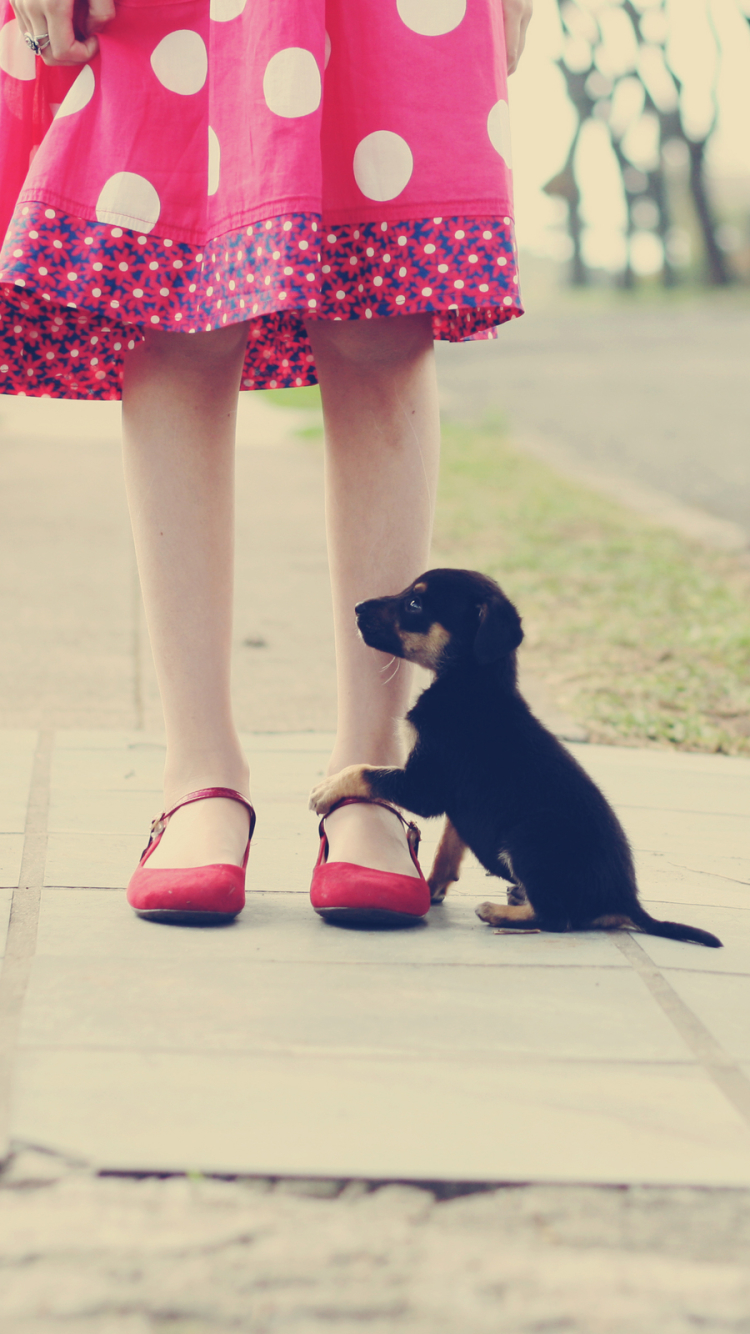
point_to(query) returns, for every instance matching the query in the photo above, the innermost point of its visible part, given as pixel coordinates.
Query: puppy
(511, 792)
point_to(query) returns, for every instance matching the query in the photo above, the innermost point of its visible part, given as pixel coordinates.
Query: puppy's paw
(349, 782)
(438, 888)
(495, 914)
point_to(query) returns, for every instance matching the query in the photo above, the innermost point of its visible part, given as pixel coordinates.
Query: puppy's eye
(414, 605)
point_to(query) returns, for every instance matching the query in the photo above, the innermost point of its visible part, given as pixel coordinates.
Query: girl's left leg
(382, 427)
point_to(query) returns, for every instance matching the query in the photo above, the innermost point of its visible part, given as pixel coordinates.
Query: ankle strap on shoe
(413, 832)
(160, 823)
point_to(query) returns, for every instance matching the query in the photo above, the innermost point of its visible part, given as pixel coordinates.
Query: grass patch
(641, 636)
(306, 397)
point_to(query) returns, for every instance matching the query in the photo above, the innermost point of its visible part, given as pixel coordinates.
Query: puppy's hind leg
(446, 865)
(511, 916)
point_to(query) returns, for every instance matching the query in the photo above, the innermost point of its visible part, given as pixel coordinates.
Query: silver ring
(36, 44)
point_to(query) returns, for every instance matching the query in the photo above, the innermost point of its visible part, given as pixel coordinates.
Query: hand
(56, 18)
(517, 14)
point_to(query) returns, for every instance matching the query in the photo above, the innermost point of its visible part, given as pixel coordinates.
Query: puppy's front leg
(357, 780)
(445, 868)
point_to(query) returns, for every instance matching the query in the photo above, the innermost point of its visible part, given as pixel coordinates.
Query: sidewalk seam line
(721, 1069)
(23, 922)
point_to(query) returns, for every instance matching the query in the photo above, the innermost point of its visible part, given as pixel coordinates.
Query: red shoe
(344, 892)
(202, 895)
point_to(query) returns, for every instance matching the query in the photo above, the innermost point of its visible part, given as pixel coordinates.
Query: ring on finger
(36, 44)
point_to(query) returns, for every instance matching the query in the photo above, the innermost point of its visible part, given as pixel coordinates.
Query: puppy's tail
(673, 930)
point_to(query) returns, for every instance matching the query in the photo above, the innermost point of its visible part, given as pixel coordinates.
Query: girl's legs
(379, 391)
(382, 430)
(179, 410)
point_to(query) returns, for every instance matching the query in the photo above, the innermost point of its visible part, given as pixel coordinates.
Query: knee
(372, 343)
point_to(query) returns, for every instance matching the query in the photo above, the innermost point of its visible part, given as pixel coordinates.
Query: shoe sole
(182, 917)
(369, 917)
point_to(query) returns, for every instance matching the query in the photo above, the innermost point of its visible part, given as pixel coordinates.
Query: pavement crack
(721, 1068)
(22, 926)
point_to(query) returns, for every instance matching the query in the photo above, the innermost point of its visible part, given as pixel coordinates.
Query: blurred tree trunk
(718, 269)
(583, 82)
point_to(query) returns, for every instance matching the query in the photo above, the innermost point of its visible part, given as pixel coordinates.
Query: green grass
(640, 636)
(307, 397)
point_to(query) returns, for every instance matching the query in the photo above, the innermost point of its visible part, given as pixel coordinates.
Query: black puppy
(511, 792)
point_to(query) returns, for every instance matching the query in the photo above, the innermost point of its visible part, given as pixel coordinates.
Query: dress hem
(390, 211)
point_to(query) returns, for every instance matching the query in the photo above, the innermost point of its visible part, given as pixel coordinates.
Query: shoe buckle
(413, 835)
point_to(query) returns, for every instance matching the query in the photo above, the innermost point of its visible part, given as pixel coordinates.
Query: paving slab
(282, 1045)
(342, 1116)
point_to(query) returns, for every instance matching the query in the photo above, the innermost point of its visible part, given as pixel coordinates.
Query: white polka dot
(498, 128)
(79, 95)
(400, 300)
(383, 164)
(49, 213)
(224, 10)
(487, 236)
(378, 282)
(15, 57)
(426, 291)
(484, 287)
(340, 296)
(430, 18)
(214, 161)
(129, 199)
(291, 83)
(180, 61)
(327, 50)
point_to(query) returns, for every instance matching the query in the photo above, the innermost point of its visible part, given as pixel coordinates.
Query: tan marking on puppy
(611, 920)
(419, 588)
(512, 914)
(427, 649)
(349, 782)
(445, 868)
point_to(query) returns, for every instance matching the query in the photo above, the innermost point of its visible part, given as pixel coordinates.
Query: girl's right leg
(179, 413)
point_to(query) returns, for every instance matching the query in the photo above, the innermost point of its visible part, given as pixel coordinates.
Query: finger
(517, 17)
(513, 41)
(64, 47)
(101, 12)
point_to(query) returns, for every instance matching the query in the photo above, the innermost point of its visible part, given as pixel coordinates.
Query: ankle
(384, 750)
(190, 773)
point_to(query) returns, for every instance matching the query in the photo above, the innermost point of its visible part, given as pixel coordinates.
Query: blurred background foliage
(652, 178)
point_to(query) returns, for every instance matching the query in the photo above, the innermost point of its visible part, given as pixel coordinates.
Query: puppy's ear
(499, 630)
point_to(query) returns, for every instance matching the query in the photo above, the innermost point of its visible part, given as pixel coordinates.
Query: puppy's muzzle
(375, 624)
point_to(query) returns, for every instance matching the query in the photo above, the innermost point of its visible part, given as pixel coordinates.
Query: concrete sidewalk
(302, 1058)
(281, 1045)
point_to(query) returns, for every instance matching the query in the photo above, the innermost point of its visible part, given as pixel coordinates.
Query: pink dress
(252, 160)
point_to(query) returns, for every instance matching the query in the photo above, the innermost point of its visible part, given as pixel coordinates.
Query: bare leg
(179, 411)
(379, 392)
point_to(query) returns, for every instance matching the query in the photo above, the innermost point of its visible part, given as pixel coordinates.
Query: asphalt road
(659, 392)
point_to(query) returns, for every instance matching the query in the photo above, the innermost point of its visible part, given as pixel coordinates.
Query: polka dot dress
(223, 161)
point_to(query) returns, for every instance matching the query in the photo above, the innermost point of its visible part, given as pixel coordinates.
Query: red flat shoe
(347, 893)
(198, 895)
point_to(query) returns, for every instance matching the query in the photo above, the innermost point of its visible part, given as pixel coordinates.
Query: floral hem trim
(77, 295)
